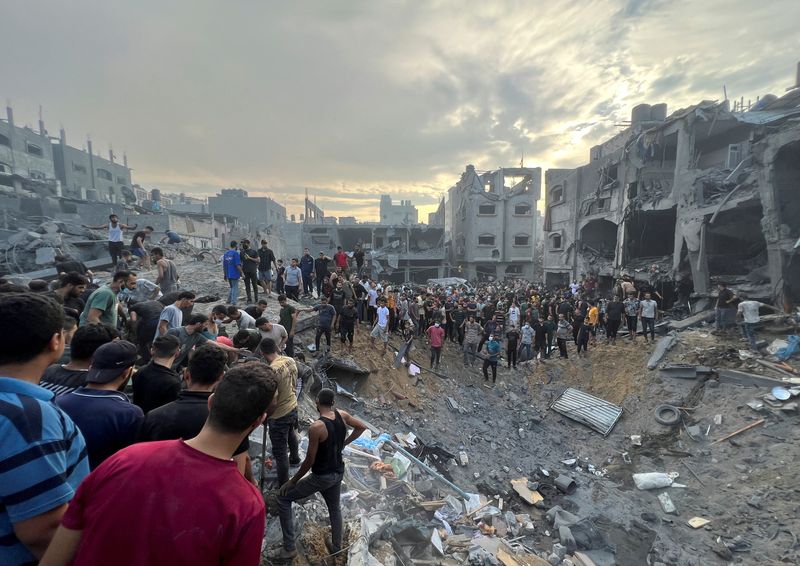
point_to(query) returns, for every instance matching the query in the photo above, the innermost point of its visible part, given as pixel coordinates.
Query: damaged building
(491, 223)
(684, 201)
(394, 252)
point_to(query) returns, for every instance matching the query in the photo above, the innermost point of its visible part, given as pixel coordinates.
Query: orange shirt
(594, 313)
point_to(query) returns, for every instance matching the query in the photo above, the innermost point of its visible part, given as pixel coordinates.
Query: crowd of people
(119, 404)
(125, 421)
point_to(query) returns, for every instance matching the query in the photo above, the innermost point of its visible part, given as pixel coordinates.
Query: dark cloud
(356, 98)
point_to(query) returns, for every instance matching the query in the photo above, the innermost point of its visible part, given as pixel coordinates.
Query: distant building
(392, 214)
(256, 211)
(491, 227)
(88, 176)
(437, 218)
(347, 220)
(24, 152)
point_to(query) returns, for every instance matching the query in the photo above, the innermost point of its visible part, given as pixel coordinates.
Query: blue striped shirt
(42, 461)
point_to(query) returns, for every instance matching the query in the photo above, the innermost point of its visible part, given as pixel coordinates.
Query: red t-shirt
(166, 503)
(340, 259)
(436, 336)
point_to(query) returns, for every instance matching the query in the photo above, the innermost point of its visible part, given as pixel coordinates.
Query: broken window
(522, 209)
(557, 195)
(633, 190)
(735, 242)
(37, 175)
(486, 209)
(121, 180)
(556, 242)
(378, 242)
(105, 175)
(599, 237)
(486, 240)
(79, 168)
(522, 240)
(34, 149)
(5, 141)
(651, 233)
(515, 269)
(598, 205)
(5, 168)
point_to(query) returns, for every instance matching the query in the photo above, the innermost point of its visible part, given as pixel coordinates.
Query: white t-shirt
(278, 333)
(750, 311)
(383, 316)
(373, 297)
(246, 321)
(648, 308)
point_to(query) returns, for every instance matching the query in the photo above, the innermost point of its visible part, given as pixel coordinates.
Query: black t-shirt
(249, 266)
(182, 418)
(253, 311)
(266, 258)
(614, 310)
(155, 385)
(347, 317)
(147, 311)
(140, 234)
(321, 266)
(513, 336)
(59, 380)
(722, 301)
(337, 299)
(359, 257)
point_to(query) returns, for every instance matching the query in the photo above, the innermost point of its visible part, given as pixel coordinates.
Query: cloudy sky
(354, 98)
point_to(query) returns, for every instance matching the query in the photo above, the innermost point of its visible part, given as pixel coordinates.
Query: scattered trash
(697, 522)
(667, 415)
(781, 393)
(636, 439)
(520, 485)
(741, 430)
(566, 484)
(666, 503)
(653, 480)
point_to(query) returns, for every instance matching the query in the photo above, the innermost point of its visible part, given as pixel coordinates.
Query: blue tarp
(790, 349)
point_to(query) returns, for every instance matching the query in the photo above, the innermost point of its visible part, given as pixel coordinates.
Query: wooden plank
(740, 431)
(520, 485)
(508, 559)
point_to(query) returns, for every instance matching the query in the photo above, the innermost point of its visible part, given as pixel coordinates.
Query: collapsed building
(683, 201)
(399, 253)
(491, 226)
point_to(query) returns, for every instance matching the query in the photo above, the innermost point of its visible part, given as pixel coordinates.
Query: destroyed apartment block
(398, 253)
(684, 201)
(492, 223)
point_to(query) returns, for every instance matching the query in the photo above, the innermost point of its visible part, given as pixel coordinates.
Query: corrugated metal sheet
(587, 409)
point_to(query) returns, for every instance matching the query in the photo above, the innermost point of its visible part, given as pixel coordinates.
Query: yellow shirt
(286, 375)
(594, 313)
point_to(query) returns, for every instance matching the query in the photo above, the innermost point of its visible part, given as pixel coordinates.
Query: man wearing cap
(105, 416)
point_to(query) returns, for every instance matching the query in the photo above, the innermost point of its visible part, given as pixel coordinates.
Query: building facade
(491, 226)
(402, 213)
(86, 175)
(258, 211)
(683, 202)
(24, 152)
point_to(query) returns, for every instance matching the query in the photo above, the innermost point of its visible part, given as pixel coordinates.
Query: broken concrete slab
(529, 496)
(662, 347)
(693, 320)
(741, 378)
(684, 371)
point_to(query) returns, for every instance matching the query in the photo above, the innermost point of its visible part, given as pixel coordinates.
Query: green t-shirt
(104, 299)
(285, 317)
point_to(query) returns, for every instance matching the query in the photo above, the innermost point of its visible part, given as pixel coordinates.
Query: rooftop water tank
(640, 113)
(658, 112)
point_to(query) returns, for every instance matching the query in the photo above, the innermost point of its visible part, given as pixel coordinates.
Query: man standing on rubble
(168, 277)
(725, 308)
(266, 259)
(232, 269)
(648, 310)
(294, 277)
(250, 262)
(748, 311)
(327, 438)
(115, 228)
(631, 314)
(307, 268)
(282, 421)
